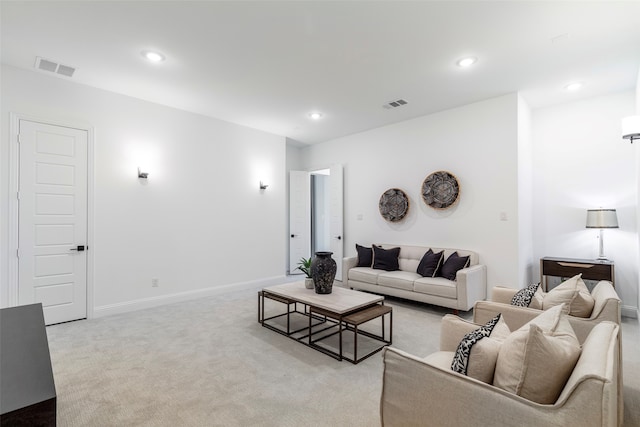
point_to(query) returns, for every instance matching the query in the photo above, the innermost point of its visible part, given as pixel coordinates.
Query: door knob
(79, 248)
(293, 235)
(339, 237)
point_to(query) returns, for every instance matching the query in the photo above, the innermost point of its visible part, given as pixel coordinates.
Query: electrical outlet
(154, 283)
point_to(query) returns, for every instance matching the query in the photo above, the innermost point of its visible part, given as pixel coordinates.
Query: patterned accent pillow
(523, 297)
(461, 357)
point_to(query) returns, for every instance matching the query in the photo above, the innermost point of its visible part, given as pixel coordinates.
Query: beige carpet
(209, 363)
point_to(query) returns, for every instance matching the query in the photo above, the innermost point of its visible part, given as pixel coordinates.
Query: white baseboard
(140, 304)
(628, 311)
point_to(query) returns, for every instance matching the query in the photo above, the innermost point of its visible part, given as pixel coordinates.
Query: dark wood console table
(27, 390)
(591, 269)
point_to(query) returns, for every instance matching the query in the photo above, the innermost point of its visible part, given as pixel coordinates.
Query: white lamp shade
(631, 127)
(602, 218)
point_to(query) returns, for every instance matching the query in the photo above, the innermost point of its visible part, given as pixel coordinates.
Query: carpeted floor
(209, 363)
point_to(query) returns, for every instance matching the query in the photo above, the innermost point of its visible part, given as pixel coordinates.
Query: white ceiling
(268, 64)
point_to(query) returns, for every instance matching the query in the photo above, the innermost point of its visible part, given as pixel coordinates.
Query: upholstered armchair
(607, 307)
(426, 392)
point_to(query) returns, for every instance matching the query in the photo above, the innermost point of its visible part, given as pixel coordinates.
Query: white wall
(199, 224)
(293, 162)
(638, 177)
(478, 143)
(525, 195)
(582, 162)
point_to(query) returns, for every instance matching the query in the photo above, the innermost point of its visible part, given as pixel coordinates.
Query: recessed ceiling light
(315, 115)
(574, 86)
(467, 62)
(153, 56)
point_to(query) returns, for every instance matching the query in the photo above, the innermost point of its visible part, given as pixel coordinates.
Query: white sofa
(423, 392)
(470, 284)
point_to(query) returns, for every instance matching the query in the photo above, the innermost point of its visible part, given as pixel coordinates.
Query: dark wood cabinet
(591, 269)
(27, 390)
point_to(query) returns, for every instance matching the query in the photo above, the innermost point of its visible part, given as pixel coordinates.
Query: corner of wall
(525, 193)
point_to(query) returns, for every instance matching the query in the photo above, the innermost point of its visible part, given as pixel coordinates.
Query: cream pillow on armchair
(574, 293)
(536, 360)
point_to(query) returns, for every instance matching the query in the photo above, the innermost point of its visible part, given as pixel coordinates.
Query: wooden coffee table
(328, 315)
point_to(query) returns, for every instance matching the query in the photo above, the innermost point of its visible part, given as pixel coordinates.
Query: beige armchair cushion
(558, 297)
(536, 360)
(581, 304)
(538, 298)
(548, 363)
(484, 354)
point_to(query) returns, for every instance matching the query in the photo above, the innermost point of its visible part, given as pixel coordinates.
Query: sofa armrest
(607, 303)
(347, 264)
(502, 294)
(471, 283)
(415, 393)
(452, 330)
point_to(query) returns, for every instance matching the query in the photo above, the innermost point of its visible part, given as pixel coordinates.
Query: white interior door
(336, 217)
(52, 220)
(299, 218)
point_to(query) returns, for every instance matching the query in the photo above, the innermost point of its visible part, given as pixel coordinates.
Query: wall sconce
(631, 128)
(143, 175)
(602, 218)
(263, 186)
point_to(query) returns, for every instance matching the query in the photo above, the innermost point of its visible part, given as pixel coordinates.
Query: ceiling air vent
(395, 104)
(54, 67)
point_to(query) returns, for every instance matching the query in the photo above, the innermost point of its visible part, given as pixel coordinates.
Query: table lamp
(602, 218)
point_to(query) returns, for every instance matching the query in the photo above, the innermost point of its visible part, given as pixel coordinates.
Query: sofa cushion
(452, 265)
(440, 359)
(582, 303)
(437, 286)
(410, 256)
(385, 259)
(523, 297)
(364, 274)
(430, 263)
(365, 256)
(398, 279)
(526, 370)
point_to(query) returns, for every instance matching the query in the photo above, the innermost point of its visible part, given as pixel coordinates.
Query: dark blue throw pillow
(365, 256)
(430, 263)
(385, 259)
(452, 265)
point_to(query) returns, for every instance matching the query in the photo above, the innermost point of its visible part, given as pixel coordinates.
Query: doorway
(316, 215)
(51, 217)
(320, 211)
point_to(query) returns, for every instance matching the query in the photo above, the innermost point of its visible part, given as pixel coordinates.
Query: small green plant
(304, 265)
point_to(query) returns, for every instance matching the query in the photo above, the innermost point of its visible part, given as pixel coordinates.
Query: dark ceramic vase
(323, 271)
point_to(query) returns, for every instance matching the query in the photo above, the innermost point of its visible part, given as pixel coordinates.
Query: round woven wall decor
(394, 205)
(440, 190)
